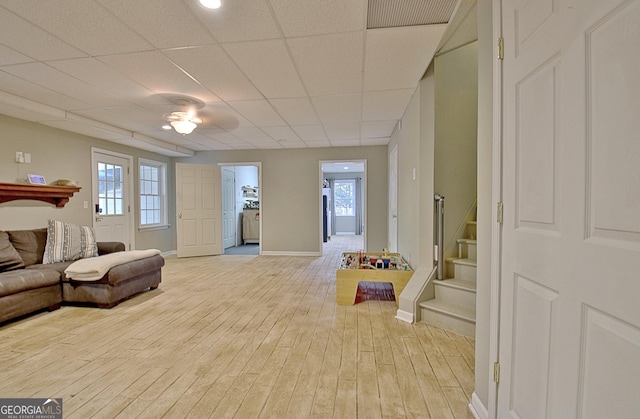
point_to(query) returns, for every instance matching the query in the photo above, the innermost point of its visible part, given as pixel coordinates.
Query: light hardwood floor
(244, 337)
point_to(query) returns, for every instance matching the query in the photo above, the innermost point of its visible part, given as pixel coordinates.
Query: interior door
(393, 199)
(198, 210)
(112, 220)
(229, 207)
(569, 314)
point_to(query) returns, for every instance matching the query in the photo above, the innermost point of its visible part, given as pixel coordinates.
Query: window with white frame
(344, 197)
(153, 197)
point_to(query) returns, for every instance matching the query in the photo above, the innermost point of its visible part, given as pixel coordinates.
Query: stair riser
(456, 296)
(447, 322)
(472, 252)
(465, 272)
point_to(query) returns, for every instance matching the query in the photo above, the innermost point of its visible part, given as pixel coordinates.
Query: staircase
(454, 305)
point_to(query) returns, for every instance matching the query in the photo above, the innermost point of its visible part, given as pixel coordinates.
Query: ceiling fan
(184, 117)
(184, 122)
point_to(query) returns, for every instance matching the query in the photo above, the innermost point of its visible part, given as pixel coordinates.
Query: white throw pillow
(66, 242)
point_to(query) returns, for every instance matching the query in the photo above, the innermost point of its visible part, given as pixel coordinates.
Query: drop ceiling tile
(32, 91)
(318, 144)
(179, 25)
(72, 20)
(213, 68)
(259, 112)
(329, 64)
(339, 108)
(132, 117)
(342, 131)
(10, 56)
(95, 73)
(47, 77)
(238, 20)
(310, 133)
(375, 141)
(311, 17)
(32, 41)
(396, 58)
(376, 129)
(294, 144)
(345, 143)
(157, 73)
(385, 106)
(269, 66)
(281, 134)
(252, 134)
(296, 111)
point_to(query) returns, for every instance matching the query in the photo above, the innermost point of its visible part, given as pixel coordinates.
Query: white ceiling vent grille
(394, 13)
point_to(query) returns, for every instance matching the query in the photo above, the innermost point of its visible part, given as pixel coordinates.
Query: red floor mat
(382, 291)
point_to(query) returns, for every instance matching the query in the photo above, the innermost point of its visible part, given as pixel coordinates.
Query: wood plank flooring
(243, 337)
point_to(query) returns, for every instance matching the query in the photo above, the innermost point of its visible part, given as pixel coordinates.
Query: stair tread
(468, 241)
(464, 284)
(472, 222)
(463, 261)
(453, 310)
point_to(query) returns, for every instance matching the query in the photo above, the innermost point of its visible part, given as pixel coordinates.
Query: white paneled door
(198, 210)
(570, 290)
(113, 219)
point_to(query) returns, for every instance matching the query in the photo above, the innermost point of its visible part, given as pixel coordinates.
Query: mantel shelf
(56, 195)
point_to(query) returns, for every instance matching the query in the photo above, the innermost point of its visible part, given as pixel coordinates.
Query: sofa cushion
(27, 279)
(29, 244)
(9, 257)
(67, 242)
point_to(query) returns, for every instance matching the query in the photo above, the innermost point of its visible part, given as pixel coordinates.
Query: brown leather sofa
(28, 285)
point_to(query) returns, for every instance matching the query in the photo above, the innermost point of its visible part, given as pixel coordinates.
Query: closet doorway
(343, 201)
(242, 221)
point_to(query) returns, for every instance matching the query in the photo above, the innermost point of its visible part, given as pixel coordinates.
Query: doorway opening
(343, 204)
(241, 217)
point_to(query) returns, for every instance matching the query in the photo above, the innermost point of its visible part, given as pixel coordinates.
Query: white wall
(59, 154)
(456, 98)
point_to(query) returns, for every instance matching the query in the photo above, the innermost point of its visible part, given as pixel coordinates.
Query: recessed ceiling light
(211, 4)
(346, 168)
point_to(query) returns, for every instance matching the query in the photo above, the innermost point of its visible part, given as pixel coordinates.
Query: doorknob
(98, 219)
(394, 216)
(180, 215)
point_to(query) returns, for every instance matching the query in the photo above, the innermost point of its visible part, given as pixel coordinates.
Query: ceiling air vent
(394, 13)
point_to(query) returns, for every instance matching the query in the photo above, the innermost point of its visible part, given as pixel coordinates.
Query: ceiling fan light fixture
(211, 4)
(183, 126)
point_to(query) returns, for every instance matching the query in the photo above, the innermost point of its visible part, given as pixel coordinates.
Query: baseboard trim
(478, 409)
(405, 316)
(277, 253)
(169, 253)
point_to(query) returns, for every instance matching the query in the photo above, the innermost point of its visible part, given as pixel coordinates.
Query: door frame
(132, 207)
(496, 199)
(259, 166)
(364, 199)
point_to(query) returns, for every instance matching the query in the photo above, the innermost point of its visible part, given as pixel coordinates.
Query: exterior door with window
(112, 218)
(569, 313)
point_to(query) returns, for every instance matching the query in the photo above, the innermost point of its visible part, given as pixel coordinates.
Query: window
(153, 197)
(110, 187)
(344, 197)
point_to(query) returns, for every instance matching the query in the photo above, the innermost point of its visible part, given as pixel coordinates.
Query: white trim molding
(405, 316)
(278, 253)
(477, 408)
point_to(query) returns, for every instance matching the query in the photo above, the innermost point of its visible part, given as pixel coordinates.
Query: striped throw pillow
(66, 242)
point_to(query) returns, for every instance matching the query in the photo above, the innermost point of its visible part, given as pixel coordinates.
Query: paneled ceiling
(264, 74)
